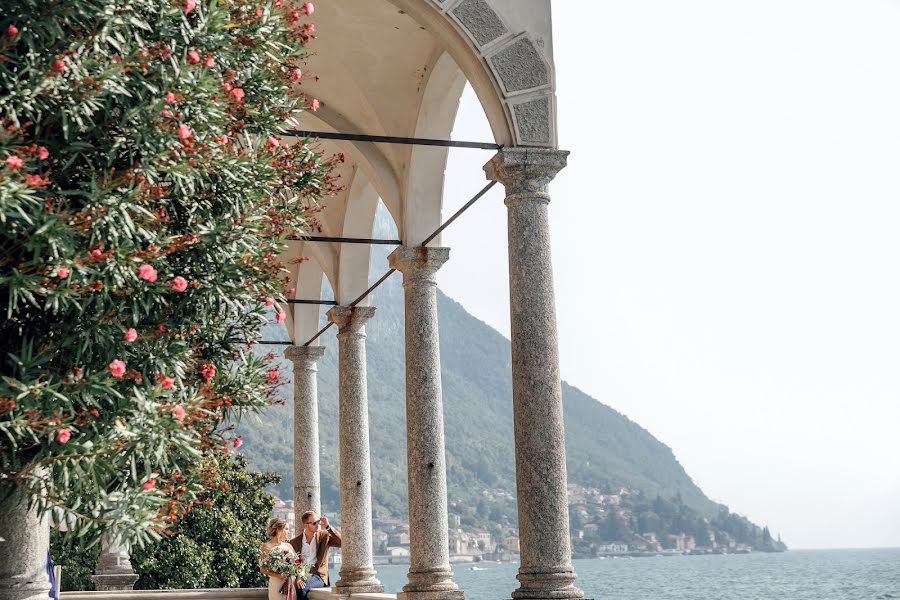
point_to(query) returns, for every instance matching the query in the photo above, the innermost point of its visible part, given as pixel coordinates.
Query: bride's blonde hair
(276, 525)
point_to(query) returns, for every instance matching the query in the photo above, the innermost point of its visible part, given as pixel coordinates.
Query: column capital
(418, 264)
(526, 171)
(304, 357)
(351, 320)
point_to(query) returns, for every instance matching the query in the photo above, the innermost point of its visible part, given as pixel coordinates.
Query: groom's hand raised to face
(323, 521)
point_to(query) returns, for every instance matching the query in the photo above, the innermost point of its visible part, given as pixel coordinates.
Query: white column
(546, 569)
(357, 570)
(430, 577)
(306, 428)
(24, 543)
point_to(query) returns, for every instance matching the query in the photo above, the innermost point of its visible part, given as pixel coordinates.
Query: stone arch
(398, 68)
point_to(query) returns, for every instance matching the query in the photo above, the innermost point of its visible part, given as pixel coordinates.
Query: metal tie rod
(388, 139)
(390, 272)
(343, 240)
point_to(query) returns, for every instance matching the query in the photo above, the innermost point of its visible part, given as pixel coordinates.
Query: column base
(114, 582)
(357, 582)
(553, 585)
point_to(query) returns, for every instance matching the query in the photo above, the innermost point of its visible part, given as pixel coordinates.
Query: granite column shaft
(430, 577)
(24, 542)
(306, 429)
(545, 570)
(357, 566)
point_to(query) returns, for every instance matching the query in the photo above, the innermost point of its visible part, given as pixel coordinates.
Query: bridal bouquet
(286, 563)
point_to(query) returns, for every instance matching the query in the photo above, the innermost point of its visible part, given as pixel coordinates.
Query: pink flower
(272, 374)
(96, 253)
(34, 180)
(178, 412)
(309, 27)
(130, 335)
(58, 65)
(193, 56)
(314, 104)
(166, 113)
(63, 435)
(208, 371)
(280, 316)
(224, 140)
(272, 141)
(62, 272)
(270, 301)
(189, 5)
(238, 94)
(14, 162)
(149, 485)
(167, 382)
(12, 30)
(308, 8)
(238, 442)
(117, 368)
(210, 62)
(147, 273)
(297, 74)
(179, 284)
(43, 153)
(184, 131)
(170, 98)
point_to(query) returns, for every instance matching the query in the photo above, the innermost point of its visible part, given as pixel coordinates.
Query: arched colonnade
(398, 68)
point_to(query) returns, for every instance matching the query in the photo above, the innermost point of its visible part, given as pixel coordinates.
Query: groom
(312, 546)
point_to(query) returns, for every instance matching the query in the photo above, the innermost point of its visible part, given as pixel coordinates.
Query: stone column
(24, 542)
(546, 569)
(357, 570)
(430, 577)
(306, 429)
(114, 570)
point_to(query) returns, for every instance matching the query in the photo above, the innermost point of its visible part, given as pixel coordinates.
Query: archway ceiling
(395, 67)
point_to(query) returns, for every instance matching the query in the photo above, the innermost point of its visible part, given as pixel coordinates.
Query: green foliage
(143, 201)
(77, 561)
(216, 544)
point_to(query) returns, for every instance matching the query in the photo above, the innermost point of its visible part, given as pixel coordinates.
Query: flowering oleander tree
(144, 195)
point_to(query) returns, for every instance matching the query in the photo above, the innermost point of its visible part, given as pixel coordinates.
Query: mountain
(605, 449)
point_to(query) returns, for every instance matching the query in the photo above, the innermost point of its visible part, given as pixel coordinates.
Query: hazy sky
(726, 245)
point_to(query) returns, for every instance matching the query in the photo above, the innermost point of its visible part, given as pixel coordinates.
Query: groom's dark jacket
(325, 539)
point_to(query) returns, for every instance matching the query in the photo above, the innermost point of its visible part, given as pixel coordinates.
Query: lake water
(794, 575)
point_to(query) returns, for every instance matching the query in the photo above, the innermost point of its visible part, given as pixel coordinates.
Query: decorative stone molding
(520, 66)
(526, 171)
(418, 265)
(533, 120)
(517, 64)
(351, 321)
(480, 21)
(304, 357)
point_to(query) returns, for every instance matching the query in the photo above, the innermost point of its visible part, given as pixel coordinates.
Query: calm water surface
(794, 575)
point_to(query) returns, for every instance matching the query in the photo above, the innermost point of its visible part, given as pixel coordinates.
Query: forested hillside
(604, 448)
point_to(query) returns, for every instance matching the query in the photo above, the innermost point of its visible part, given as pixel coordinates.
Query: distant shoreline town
(610, 523)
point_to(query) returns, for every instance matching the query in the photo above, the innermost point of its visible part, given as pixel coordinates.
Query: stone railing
(217, 594)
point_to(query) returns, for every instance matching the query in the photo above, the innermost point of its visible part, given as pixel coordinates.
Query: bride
(278, 536)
